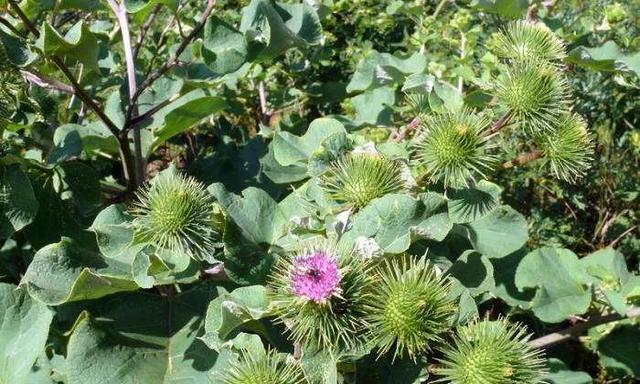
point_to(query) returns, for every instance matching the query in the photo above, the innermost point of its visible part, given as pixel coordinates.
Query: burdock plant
(265, 368)
(492, 352)
(567, 148)
(176, 213)
(320, 293)
(529, 41)
(410, 308)
(357, 178)
(534, 94)
(453, 147)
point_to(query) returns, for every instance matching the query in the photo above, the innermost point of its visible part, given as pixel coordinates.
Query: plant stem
(173, 60)
(46, 82)
(463, 42)
(501, 123)
(125, 151)
(578, 329)
(439, 8)
(523, 158)
(120, 11)
(145, 29)
(13, 29)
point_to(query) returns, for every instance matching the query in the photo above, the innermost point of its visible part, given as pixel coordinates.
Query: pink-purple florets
(315, 276)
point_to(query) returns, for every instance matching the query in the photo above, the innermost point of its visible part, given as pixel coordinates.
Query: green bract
(535, 95)
(492, 352)
(453, 147)
(567, 148)
(266, 368)
(176, 213)
(529, 41)
(335, 324)
(358, 178)
(410, 308)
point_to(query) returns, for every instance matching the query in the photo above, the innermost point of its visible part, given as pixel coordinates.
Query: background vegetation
(228, 92)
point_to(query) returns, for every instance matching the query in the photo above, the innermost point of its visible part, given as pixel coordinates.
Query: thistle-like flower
(535, 95)
(267, 368)
(176, 213)
(453, 147)
(492, 352)
(358, 178)
(527, 41)
(410, 308)
(321, 293)
(567, 149)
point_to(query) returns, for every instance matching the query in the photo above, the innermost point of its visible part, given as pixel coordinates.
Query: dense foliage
(319, 191)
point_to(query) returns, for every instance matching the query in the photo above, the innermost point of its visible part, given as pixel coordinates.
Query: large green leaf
(393, 220)
(68, 271)
(230, 310)
(260, 219)
(378, 69)
(474, 272)
(184, 113)
(373, 107)
(114, 234)
(141, 338)
(606, 58)
(79, 184)
(17, 50)
(88, 5)
(609, 271)
(289, 149)
(499, 233)
(471, 204)
(143, 6)
(79, 43)
(559, 373)
(561, 283)
(271, 28)
(148, 266)
(512, 9)
(17, 200)
(619, 351)
(256, 222)
(93, 137)
(24, 327)
(504, 272)
(224, 48)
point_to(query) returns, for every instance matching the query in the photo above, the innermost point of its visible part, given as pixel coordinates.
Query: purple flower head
(315, 276)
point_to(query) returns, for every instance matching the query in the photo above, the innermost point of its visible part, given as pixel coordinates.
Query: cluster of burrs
(455, 147)
(401, 307)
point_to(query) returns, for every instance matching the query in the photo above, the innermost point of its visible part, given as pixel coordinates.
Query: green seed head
(358, 178)
(176, 213)
(535, 95)
(268, 368)
(335, 321)
(492, 352)
(453, 147)
(567, 149)
(529, 41)
(410, 308)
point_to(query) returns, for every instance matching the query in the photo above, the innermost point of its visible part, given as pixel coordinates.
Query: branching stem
(578, 329)
(120, 10)
(173, 60)
(125, 151)
(523, 158)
